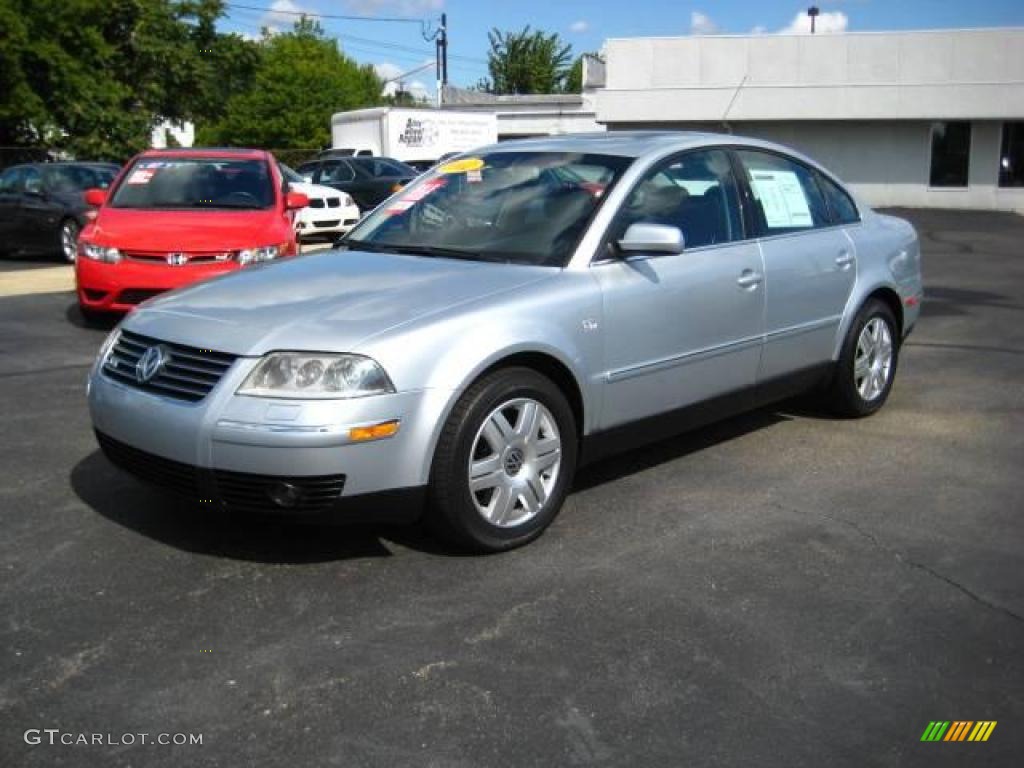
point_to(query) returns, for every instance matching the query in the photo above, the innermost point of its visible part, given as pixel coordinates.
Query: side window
(786, 197)
(33, 181)
(695, 192)
(336, 171)
(10, 181)
(840, 205)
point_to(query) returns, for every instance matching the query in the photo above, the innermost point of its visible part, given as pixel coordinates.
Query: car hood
(148, 230)
(328, 301)
(312, 190)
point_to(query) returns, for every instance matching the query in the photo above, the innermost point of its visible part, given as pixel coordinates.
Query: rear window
(188, 182)
(74, 178)
(380, 167)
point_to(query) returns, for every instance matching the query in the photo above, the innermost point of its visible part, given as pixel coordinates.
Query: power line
(387, 44)
(311, 14)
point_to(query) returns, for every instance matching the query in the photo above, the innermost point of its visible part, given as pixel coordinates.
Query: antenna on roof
(725, 115)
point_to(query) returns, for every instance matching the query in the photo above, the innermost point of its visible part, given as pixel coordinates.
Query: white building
(926, 119)
(521, 116)
(184, 134)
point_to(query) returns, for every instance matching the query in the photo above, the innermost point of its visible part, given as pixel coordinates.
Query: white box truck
(411, 135)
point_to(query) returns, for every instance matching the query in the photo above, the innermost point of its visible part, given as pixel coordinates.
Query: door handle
(749, 279)
(844, 259)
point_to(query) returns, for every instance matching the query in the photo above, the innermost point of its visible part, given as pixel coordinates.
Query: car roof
(629, 143)
(65, 164)
(233, 152)
(637, 144)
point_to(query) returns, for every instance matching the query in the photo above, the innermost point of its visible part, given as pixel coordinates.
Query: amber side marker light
(374, 431)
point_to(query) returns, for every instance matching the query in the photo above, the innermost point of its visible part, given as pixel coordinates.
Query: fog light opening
(284, 495)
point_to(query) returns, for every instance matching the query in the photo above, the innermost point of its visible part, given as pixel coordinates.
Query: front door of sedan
(681, 328)
(10, 191)
(810, 265)
(39, 214)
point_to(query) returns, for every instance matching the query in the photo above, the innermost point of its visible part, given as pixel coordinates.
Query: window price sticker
(141, 176)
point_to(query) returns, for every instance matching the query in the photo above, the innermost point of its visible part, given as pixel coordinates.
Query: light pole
(813, 13)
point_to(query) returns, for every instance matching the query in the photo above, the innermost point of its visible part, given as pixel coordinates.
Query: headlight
(255, 255)
(303, 375)
(99, 253)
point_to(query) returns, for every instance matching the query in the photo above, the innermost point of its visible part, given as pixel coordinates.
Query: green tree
(301, 79)
(92, 77)
(527, 61)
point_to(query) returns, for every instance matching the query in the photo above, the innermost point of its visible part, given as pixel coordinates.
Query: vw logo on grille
(176, 259)
(151, 363)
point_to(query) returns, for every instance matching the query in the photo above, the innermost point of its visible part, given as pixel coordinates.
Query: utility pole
(813, 13)
(440, 39)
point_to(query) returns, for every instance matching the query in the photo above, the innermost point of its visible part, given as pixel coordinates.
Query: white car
(329, 213)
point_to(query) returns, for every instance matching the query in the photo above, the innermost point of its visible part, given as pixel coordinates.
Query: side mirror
(95, 197)
(295, 200)
(652, 238)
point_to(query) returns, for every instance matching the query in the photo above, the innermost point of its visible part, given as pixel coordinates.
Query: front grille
(328, 223)
(240, 491)
(188, 374)
(247, 492)
(160, 257)
(180, 478)
(316, 202)
(333, 202)
(137, 295)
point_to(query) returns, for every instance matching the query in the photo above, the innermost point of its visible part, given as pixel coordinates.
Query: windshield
(378, 167)
(75, 178)
(196, 182)
(517, 207)
(290, 175)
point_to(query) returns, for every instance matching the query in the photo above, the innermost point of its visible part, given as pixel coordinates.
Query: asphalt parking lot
(779, 589)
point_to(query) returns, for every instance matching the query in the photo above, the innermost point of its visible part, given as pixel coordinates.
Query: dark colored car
(367, 180)
(42, 208)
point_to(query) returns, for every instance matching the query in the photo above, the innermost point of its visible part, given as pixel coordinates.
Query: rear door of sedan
(685, 327)
(810, 264)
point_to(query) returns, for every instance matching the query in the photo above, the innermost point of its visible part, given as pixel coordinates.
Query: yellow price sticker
(462, 166)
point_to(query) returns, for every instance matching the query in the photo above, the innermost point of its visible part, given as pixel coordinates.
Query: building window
(1011, 156)
(951, 154)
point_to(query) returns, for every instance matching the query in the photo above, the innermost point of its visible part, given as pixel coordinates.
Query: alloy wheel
(872, 363)
(69, 240)
(514, 462)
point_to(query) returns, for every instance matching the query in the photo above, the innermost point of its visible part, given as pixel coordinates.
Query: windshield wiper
(417, 250)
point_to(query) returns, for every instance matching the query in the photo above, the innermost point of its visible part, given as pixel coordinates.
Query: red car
(175, 216)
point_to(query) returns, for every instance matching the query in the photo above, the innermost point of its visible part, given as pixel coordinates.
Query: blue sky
(399, 47)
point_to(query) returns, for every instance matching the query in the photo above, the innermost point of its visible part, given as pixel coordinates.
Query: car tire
(69, 231)
(504, 462)
(864, 374)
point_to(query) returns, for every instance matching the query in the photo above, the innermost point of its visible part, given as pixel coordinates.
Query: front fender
(559, 319)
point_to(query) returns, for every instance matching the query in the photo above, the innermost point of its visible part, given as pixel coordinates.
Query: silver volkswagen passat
(510, 314)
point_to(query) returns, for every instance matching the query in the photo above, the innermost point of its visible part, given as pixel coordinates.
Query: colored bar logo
(958, 730)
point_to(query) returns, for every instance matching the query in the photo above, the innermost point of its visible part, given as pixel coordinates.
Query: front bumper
(122, 286)
(326, 221)
(227, 449)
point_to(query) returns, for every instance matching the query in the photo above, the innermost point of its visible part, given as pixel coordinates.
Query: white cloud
(827, 21)
(579, 26)
(283, 14)
(702, 24)
(393, 7)
(759, 30)
(390, 71)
